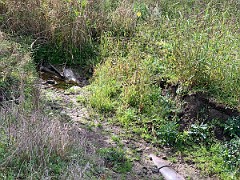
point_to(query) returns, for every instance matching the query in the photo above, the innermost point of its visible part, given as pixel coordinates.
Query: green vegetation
(33, 145)
(192, 45)
(214, 159)
(115, 159)
(139, 51)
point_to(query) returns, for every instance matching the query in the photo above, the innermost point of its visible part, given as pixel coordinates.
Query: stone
(50, 81)
(155, 170)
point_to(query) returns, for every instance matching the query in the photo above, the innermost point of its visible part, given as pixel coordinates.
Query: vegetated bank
(167, 71)
(174, 80)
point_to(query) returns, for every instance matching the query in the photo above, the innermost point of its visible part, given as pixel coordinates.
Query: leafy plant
(199, 133)
(209, 159)
(126, 117)
(231, 155)
(232, 126)
(141, 10)
(168, 133)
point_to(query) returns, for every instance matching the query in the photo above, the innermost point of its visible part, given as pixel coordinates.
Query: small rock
(139, 150)
(133, 146)
(145, 170)
(164, 158)
(147, 148)
(62, 113)
(140, 173)
(125, 141)
(155, 170)
(50, 81)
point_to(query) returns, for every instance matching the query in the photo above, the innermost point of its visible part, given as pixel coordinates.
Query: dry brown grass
(36, 144)
(70, 23)
(32, 144)
(31, 135)
(123, 19)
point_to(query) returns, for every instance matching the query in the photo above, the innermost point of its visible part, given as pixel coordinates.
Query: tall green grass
(193, 44)
(205, 41)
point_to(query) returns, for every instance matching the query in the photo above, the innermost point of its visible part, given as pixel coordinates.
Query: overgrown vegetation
(33, 145)
(189, 45)
(141, 50)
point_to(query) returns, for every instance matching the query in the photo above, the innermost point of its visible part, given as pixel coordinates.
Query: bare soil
(199, 108)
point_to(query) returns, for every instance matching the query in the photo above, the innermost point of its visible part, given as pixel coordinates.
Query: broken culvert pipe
(165, 169)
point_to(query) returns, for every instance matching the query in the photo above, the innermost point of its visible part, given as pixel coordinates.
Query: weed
(231, 156)
(126, 117)
(141, 9)
(81, 99)
(232, 126)
(116, 159)
(199, 133)
(115, 139)
(99, 125)
(203, 156)
(213, 159)
(104, 104)
(167, 133)
(101, 98)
